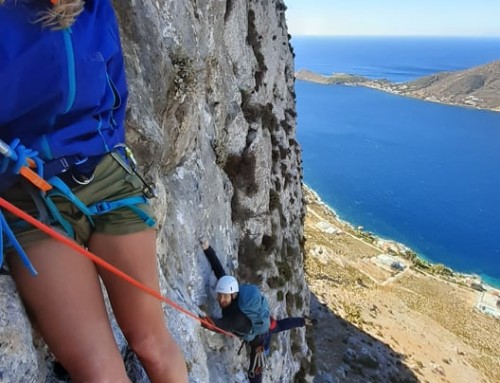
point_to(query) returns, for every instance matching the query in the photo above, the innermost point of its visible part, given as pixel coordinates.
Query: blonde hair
(59, 14)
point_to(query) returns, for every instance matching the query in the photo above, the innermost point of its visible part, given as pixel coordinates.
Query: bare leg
(140, 315)
(65, 303)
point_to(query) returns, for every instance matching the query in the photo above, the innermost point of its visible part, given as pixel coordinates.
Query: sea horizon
(383, 198)
(390, 57)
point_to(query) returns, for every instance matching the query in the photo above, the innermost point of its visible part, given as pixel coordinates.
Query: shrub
(285, 270)
(274, 200)
(241, 172)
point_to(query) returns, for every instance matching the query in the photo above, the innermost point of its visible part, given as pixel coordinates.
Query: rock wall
(211, 119)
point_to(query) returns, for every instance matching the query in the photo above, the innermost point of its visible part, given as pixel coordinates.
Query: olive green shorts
(111, 182)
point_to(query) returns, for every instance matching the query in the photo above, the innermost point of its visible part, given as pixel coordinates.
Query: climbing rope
(206, 322)
(37, 179)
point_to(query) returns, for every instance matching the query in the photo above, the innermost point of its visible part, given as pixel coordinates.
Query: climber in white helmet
(227, 289)
(245, 313)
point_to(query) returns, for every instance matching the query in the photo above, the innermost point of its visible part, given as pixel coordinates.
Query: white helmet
(227, 285)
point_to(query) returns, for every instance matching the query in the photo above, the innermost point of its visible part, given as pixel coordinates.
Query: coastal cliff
(383, 315)
(477, 87)
(211, 119)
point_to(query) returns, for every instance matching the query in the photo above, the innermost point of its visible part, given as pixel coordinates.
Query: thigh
(66, 305)
(135, 255)
(139, 314)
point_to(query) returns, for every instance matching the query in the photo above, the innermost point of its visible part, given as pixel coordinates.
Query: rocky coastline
(476, 87)
(401, 250)
(383, 314)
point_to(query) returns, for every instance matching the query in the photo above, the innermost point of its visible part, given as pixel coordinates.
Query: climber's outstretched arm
(213, 259)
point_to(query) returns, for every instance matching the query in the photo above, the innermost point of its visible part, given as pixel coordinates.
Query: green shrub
(276, 282)
(285, 270)
(274, 200)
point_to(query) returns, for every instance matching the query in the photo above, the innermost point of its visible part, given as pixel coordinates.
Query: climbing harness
(61, 189)
(67, 168)
(19, 156)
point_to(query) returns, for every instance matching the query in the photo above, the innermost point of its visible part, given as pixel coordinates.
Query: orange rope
(206, 322)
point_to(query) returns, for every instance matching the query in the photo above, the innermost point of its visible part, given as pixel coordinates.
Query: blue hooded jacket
(62, 92)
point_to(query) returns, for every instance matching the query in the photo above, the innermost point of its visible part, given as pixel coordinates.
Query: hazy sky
(394, 17)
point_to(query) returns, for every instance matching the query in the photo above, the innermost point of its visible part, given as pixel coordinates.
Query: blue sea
(420, 173)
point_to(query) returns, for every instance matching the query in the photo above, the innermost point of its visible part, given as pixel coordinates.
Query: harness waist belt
(84, 165)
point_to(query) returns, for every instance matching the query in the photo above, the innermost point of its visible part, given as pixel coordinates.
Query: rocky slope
(478, 87)
(211, 119)
(379, 321)
(380, 313)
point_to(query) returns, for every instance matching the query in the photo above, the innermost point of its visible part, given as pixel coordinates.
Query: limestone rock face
(211, 119)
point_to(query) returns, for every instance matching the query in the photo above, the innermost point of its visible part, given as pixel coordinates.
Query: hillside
(381, 314)
(478, 87)
(390, 322)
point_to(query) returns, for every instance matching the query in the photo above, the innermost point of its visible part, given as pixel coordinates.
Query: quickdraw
(259, 362)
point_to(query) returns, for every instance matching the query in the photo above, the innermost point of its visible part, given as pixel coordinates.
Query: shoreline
(383, 85)
(490, 283)
(367, 301)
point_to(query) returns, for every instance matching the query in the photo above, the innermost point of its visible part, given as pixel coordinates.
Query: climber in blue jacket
(63, 99)
(236, 321)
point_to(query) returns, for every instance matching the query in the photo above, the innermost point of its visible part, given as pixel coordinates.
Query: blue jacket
(62, 92)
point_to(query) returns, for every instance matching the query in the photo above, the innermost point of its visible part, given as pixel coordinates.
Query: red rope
(206, 322)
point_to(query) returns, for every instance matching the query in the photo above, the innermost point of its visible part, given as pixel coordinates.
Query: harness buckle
(82, 179)
(102, 207)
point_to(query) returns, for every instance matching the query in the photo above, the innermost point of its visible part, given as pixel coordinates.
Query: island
(477, 87)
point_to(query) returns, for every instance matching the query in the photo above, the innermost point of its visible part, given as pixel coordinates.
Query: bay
(420, 173)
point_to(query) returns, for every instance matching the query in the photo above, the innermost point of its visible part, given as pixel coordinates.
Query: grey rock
(211, 119)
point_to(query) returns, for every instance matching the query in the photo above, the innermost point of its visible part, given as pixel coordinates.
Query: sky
(394, 17)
